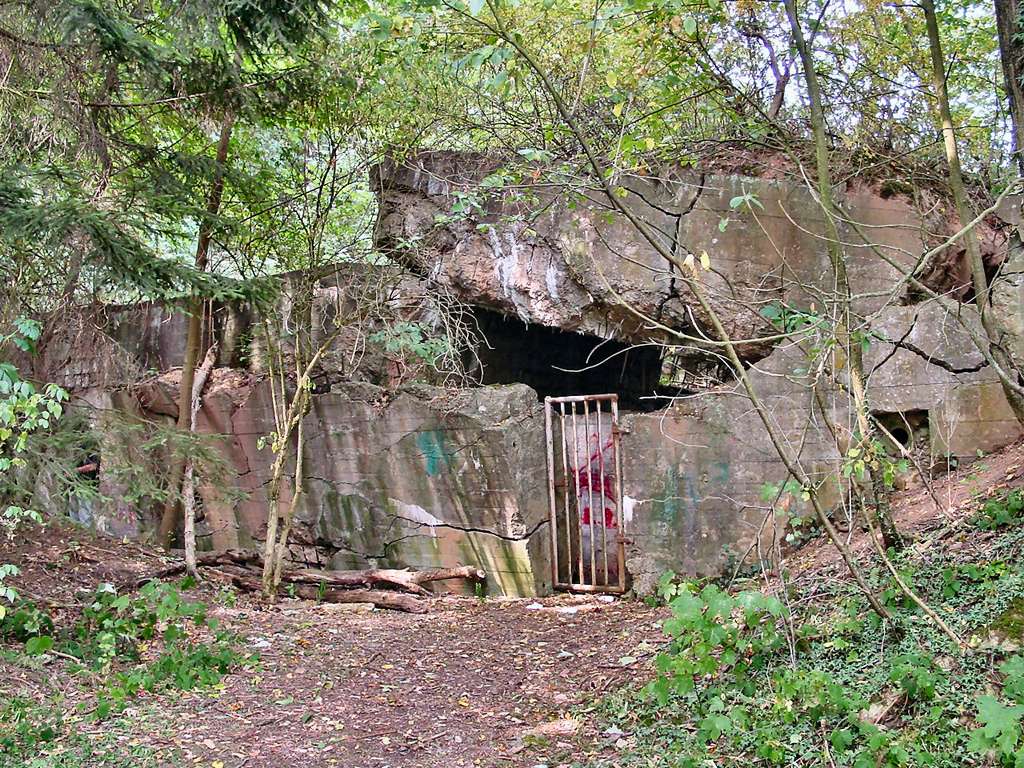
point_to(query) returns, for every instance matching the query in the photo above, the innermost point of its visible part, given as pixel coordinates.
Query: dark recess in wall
(908, 428)
(557, 363)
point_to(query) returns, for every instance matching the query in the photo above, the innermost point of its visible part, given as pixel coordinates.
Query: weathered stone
(1007, 289)
(580, 265)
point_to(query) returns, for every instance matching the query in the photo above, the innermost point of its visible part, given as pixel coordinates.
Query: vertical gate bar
(576, 475)
(565, 487)
(590, 493)
(604, 519)
(553, 520)
(621, 538)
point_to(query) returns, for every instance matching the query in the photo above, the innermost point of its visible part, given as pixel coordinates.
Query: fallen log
(404, 578)
(239, 566)
(205, 559)
(231, 556)
(395, 601)
(381, 598)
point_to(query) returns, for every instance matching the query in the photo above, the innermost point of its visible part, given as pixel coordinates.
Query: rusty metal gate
(588, 545)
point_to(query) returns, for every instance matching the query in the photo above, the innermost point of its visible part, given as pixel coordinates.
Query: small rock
(565, 726)
(534, 607)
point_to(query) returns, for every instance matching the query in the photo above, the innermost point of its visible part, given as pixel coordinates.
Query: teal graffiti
(679, 494)
(720, 448)
(668, 505)
(432, 445)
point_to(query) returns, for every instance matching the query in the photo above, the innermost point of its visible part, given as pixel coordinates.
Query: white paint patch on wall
(499, 257)
(506, 265)
(415, 514)
(551, 279)
(628, 503)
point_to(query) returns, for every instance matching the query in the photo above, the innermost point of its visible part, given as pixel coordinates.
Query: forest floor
(473, 683)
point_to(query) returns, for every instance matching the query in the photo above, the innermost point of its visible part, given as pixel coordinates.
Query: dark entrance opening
(907, 428)
(556, 363)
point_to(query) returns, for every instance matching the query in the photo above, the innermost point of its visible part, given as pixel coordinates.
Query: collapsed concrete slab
(560, 255)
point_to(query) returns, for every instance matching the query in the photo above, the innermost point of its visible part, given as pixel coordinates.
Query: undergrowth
(121, 647)
(818, 680)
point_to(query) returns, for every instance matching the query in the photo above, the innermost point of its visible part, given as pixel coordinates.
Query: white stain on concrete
(551, 279)
(628, 503)
(416, 514)
(506, 263)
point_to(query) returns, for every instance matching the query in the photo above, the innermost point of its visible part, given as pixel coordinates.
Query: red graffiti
(595, 479)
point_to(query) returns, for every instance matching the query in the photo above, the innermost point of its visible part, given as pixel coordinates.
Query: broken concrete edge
(560, 257)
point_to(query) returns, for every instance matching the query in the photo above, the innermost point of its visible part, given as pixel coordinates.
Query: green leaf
(35, 646)
(1000, 723)
(1013, 671)
(690, 25)
(687, 607)
(720, 604)
(30, 329)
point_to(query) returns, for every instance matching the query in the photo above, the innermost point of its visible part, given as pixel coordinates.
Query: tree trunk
(989, 322)
(188, 490)
(849, 347)
(298, 483)
(193, 340)
(287, 419)
(1011, 53)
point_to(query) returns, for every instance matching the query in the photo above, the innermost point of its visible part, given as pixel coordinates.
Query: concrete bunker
(403, 470)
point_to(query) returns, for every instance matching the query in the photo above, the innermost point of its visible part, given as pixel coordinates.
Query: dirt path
(461, 686)
(471, 684)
